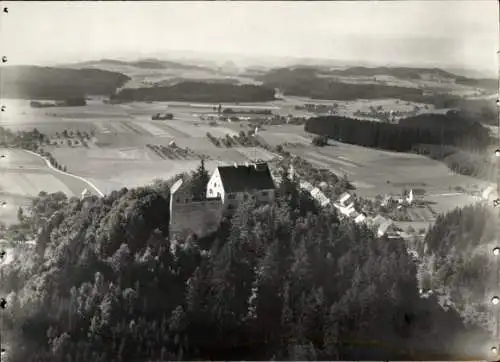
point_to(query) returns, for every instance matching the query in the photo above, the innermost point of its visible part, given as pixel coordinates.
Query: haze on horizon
(462, 34)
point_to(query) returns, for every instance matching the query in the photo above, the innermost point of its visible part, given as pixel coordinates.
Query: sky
(438, 33)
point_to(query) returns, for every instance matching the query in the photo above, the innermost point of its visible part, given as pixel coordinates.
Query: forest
(274, 282)
(458, 263)
(191, 91)
(434, 129)
(32, 82)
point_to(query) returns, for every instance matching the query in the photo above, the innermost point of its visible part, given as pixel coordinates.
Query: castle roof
(240, 178)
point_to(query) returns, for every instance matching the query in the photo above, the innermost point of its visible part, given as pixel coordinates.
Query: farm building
(234, 184)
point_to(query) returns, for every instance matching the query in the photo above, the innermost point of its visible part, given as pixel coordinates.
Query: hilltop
(399, 79)
(149, 72)
(284, 281)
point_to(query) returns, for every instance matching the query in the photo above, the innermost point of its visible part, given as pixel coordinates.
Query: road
(49, 165)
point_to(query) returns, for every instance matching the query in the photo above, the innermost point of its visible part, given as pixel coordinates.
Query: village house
(345, 205)
(359, 218)
(237, 183)
(320, 197)
(382, 225)
(344, 199)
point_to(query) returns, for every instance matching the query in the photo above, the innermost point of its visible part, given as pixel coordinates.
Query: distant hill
(197, 92)
(485, 83)
(149, 72)
(32, 82)
(148, 63)
(304, 82)
(284, 77)
(398, 72)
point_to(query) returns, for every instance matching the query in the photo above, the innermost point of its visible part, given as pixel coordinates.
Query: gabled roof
(384, 227)
(488, 192)
(319, 196)
(379, 220)
(359, 218)
(176, 186)
(242, 178)
(344, 197)
(181, 186)
(306, 185)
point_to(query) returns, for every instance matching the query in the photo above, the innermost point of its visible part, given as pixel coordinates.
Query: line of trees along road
(281, 281)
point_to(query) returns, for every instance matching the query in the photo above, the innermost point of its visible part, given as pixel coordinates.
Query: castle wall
(199, 217)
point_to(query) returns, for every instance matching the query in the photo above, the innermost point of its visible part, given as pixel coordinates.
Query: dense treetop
(457, 262)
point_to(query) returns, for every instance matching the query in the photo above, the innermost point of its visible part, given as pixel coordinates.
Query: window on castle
(211, 191)
(231, 196)
(264, 193)
(218, 194)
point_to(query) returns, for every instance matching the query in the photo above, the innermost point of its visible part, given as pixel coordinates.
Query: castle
(228, 186)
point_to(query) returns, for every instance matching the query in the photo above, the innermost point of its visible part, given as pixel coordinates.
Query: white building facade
(236, 184)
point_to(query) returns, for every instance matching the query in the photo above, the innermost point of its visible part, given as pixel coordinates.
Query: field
(23, 176)
(120, 152)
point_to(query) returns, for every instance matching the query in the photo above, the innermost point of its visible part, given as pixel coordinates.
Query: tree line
(434, 129)
(281, 281)
(191, 91)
